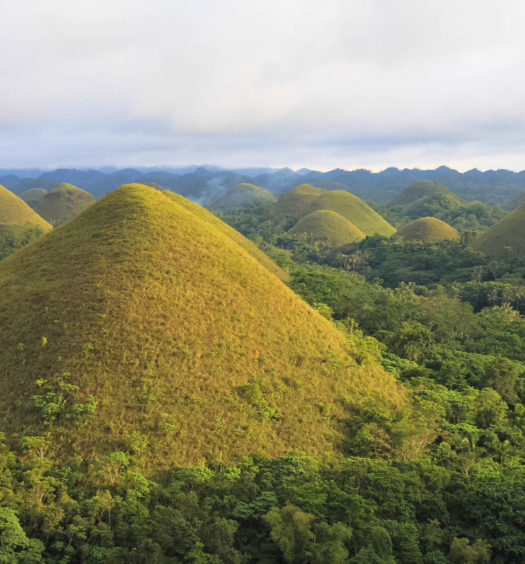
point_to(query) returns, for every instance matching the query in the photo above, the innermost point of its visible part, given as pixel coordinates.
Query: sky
(319, 84)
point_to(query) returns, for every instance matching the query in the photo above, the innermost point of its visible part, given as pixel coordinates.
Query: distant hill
(306, 199)
(172, 333)
(32, 196)
(508, 235)
(425, 198)
(242, 195)
(63, 203)
(328, 227)
(428, 230)
(19, 224)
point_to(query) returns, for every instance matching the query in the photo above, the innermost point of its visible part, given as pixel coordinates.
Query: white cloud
(276, 82)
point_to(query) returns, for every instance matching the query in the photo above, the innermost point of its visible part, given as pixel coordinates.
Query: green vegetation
(32, 196)
(19, 224)
(166, 398)
(63, 203)
(159, 308)
(507, 236)
(427, 198)
(328, 227)
(428, 230)
(241, 196)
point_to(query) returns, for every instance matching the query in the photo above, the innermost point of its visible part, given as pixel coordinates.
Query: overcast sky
(299, 83)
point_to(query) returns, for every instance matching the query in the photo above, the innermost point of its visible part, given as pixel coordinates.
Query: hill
(179, 337)
(32, 196)
(508, 235)
(63, 203)
(419, 189)
(328, 227)
(19, 224)
(243, 195)
(306, 199)
(428, 230)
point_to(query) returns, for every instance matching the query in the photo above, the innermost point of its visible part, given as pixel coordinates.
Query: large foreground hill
(177, 334)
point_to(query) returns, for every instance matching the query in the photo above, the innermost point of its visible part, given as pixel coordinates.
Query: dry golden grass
(14, 211)
(328, 227)
(428, 230)
(306, 199)
(508, 235)
(179, 333)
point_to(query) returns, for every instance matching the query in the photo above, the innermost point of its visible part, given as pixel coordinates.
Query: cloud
(250, 83)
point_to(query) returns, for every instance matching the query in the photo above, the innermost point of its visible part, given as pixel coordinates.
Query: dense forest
(429, 472)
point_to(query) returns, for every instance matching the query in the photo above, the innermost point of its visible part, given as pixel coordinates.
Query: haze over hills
(175, 332)
(242, 195)
(199, 182)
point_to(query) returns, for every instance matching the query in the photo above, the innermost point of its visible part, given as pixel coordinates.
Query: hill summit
(428, 230)
(508, 235)
(305, 199)
(328, 227)
(63, 203)
(140, 319)
(19, 224)
(241, 196)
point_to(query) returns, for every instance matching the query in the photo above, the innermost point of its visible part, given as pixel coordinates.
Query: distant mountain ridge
(205, 182)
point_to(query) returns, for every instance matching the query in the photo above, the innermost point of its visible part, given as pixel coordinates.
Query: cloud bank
(345, 83)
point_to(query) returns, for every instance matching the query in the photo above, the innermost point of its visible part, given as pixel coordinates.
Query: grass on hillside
(243, 195)
(14, 211)
(428, 230)
(179, 335)
(63, 203)
(506, 236)
(328, 227)
(32, 196)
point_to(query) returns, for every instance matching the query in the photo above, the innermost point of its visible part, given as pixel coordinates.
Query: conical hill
(241, 196)
(19, 224)
(177, 334)
(508, 235)
(421, 189)
(225, 229)
(428, 230)
(63, 203)
(32, 196)
(328, 227)
(14, 211)
(305, 199)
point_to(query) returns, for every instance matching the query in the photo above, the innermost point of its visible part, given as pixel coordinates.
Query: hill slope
(306, 199)
(418, 190)
(509, 232)
(178, 333)
(19, 224)
(329, 227)
(33, 196)
(243, 195)
(428, 230)
(63, 203)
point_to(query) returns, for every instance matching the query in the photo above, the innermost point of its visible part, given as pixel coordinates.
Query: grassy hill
(306, 199)
(418, 190)
(63, 203)
(188, 345)
(508, 235)
(428, 230)
(19, 224)
(234, 235)
(328, 227)
(243, 195)
(32, 196)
